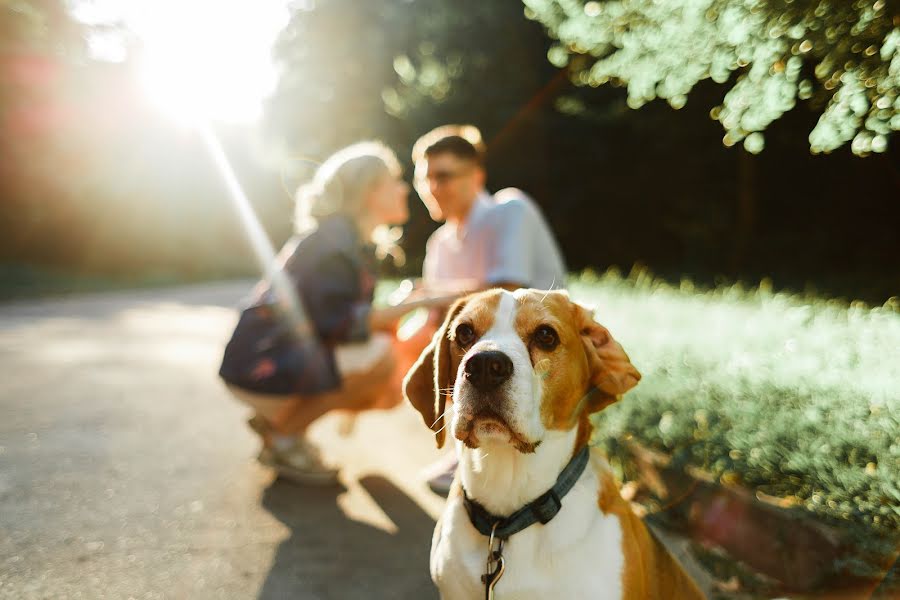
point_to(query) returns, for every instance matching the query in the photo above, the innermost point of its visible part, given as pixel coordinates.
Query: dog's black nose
(487, 370)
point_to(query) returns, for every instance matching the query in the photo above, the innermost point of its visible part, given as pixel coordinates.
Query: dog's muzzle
(482, 407)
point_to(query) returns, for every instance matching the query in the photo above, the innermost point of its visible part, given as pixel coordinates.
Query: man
(499, 241)
(485, 242)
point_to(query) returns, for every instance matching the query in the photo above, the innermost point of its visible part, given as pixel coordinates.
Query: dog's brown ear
(429, 383)
(612, 373)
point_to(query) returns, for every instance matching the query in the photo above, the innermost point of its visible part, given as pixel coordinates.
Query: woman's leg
(358, 392)
(291, 455)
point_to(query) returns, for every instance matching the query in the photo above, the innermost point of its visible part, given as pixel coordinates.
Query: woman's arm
(330, 292)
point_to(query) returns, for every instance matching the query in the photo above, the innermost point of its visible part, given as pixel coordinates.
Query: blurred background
(723, 178)
(721, 141)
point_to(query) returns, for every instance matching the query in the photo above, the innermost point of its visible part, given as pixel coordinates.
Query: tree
(394, 70)
(840, 56)
(92, 179)
(391, 69)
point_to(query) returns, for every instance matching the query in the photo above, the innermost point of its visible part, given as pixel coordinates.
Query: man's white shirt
(505, 239)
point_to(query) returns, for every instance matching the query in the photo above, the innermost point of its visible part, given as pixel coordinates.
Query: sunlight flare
(259, 241)
(209, 59)
(197, 59)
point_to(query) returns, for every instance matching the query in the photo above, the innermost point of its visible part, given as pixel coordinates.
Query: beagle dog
(533, 512)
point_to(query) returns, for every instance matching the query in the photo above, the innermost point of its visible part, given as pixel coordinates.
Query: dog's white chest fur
(578, 554)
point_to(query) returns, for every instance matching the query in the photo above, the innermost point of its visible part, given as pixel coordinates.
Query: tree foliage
(840, 56)
(394, 70)
(91, 178)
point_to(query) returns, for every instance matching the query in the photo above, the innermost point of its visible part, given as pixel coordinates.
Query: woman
(310, 340)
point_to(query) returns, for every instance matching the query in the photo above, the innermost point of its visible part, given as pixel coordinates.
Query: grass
(790, 395)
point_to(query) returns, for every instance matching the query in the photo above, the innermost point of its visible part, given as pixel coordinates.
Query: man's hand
(407, 290)
(388, 317)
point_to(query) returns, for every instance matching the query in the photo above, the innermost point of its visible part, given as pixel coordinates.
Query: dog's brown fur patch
(650, 572)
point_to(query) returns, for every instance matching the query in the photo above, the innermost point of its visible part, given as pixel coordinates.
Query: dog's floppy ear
(429, 383)
(612, 373)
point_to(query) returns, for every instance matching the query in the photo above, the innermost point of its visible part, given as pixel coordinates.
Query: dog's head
(515, 365)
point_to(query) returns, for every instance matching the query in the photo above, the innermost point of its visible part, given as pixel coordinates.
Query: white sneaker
(301, 463)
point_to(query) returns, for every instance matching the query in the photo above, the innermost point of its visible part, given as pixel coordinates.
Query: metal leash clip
(494, 557)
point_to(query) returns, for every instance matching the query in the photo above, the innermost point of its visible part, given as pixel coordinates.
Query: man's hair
(462, 141)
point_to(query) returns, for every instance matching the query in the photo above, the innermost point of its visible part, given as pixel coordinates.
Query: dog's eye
(546, 338)
(465, 334)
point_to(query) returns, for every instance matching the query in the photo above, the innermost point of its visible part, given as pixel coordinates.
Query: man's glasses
(442, 177)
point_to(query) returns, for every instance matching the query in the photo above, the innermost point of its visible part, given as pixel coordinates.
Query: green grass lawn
(792, 396)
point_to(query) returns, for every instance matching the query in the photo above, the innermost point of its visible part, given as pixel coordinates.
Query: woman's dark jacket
(332, 273)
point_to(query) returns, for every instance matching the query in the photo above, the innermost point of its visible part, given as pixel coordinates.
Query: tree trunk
(746, 210)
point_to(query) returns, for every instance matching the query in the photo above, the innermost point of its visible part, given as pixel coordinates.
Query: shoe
(301, 463)
(440, 474)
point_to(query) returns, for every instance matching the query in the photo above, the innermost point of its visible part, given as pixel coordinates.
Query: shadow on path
(329, 555)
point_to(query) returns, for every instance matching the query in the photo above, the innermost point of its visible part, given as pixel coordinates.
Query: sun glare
(201, 59)
(207, 58)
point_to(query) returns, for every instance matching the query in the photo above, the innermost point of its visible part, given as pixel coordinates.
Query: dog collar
(540, 510)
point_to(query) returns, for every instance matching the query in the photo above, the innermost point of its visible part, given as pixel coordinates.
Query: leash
(540, 510)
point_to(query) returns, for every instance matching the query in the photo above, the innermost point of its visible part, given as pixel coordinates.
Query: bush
(791, 396)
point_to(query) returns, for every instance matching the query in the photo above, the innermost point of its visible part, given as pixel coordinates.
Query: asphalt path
(127, 470)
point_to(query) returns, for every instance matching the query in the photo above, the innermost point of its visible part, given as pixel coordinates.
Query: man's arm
(389, 316)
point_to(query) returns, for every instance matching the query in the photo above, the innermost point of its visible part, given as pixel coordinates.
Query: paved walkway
(126, 469)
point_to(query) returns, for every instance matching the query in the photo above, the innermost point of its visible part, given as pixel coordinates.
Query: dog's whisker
(441, 416)
(550, 289)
